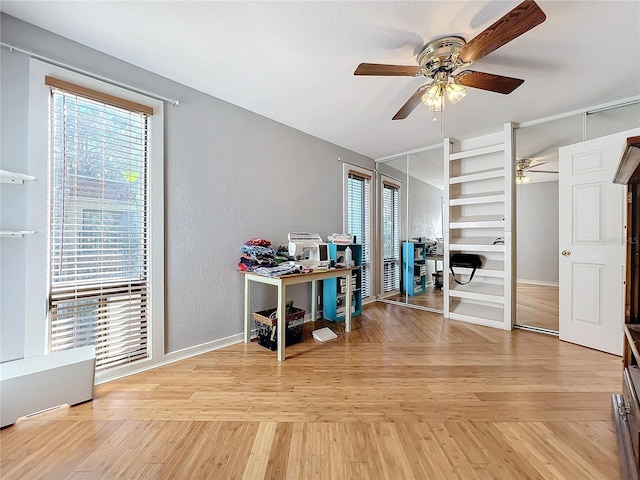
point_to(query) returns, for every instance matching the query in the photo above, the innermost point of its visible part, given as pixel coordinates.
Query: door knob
(566, 253)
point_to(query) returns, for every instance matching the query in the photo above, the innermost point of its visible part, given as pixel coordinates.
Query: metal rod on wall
(89, 74)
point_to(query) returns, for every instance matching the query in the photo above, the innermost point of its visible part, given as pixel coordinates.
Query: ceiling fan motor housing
(440, 56)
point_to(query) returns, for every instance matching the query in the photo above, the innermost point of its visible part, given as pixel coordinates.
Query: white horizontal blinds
(391, 236)
(359, 221)
(99, 249)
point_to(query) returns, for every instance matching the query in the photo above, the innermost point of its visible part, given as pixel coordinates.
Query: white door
(592, 244)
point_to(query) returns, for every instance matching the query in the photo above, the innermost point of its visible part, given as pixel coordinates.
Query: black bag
(464, 260)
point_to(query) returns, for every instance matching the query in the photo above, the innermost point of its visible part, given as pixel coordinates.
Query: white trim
(587, 110)
(178, 355)
(341, 160)
(204, 348)
(538, 282)
(37, 246)
(403, 154)
(171, 358)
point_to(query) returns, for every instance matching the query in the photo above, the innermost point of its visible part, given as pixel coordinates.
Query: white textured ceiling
(294, 61)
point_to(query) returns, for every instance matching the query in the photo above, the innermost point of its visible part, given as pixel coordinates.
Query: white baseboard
(203, 348)
(191, 352)
(175, 356)
(537, 282)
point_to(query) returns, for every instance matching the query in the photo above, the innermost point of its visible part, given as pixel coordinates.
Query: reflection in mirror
(411, 229)
(393, 200)
(612, 120)
(423, 246)
(537, 197)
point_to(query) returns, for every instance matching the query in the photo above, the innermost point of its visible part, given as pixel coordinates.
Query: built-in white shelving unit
(480, 219)
(15, 178)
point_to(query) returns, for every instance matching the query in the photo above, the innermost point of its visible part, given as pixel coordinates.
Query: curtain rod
(57, 63)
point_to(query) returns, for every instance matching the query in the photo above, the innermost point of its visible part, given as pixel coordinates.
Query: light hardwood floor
(537, 306)
(432, 298)
(406, 395)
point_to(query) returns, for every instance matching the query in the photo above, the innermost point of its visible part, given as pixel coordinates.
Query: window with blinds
(99, 235)
(391, 237)
(359, 221)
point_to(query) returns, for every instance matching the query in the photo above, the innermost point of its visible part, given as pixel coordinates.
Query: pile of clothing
(259, 257)
(257, 253)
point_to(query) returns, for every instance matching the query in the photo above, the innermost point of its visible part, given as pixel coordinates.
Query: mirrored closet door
(537, 203)
(411, 206)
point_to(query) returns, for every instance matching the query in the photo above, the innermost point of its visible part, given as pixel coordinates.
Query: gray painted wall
(425, 209)
(230, 175)
(537, 205)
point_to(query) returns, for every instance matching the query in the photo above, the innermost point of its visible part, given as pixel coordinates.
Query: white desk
(282, 283)
(436, 259)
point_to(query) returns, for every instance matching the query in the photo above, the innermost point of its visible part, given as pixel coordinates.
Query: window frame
(347, 169)
(38, 200)
(397, 185)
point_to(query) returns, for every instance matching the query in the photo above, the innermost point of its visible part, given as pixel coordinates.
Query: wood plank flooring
(405, 395)
(537, 306)
(431, 298)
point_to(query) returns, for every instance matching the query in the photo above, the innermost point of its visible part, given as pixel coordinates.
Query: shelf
(488, 292)
(476, 152)
(477, 198)
(632, 332)
(12, 177)
(480, 221)
(334, 301)
(16, 233)
(476, 176)
(491, 268)
(476, 313)
(475, 244)
(479, 201)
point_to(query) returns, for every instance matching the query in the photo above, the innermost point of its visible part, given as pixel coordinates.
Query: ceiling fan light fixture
(521, 178)
(455, 92)
(433, 97)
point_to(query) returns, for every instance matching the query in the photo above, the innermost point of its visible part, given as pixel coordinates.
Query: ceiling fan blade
(541, 171)
(410, 106)
(536, 165)
(488, 81)
(386, 70)
(518, 21)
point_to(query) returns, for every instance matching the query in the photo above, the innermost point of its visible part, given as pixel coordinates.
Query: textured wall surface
(13, 205)
(229, 175)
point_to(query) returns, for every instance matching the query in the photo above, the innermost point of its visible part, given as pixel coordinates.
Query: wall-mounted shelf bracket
(16, 233)
(12, 177)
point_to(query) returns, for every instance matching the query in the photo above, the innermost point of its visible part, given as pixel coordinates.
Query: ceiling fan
(524, 165)
(440, 58)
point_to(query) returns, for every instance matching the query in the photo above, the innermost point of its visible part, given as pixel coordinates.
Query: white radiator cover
(33, 384)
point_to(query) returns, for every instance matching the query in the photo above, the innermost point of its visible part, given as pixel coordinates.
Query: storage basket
(266, 322)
